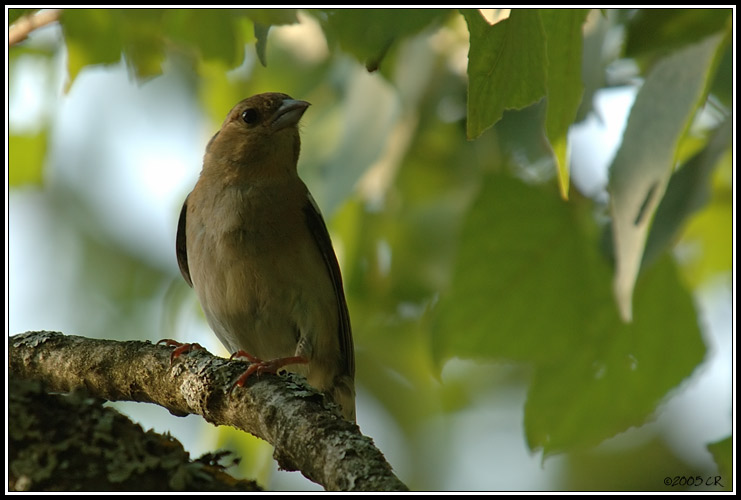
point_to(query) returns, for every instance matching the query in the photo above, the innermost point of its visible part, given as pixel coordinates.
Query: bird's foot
(259, 366)
(180, 348)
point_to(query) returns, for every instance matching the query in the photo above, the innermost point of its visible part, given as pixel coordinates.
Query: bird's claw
(259, 366)
(180, 348)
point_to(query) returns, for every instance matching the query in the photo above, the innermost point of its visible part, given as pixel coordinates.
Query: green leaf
(723, 84)
(143, 42)
(653, 31)
(263, 19)
(688, 191)
(506, 66)
(374, 120)
(617, 380)
(268, 17)
(92, 37)
(563, 31)
(723, 455)
(196, 28)
(26, 155)
(369, 33)
(15, 14)
(709, 233)
(594, 60)
(640, 466)
(261, 34)
(530, 285)
(518, 245)
(644, 163)
(102, 36)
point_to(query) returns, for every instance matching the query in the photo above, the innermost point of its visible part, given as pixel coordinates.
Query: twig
(20, 29)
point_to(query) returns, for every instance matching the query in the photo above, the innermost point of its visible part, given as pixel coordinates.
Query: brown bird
(252, 243)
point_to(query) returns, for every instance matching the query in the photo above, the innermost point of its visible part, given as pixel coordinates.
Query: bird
(252, 243)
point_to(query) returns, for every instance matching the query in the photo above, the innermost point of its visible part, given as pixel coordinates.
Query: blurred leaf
(102, 36)
(116, 275)
(530, 285)
(641, 169)
(213, 33)
(594, 60)
(26, 155)
(369, 33)
(268, 17)
(256, 459)
(15, 14)
(143, 43)
(688, 190)
(563, 31)
(723, 455)
(617, 380)
(506, 66)
(218, 93)
(375, 120)
(261, 34)
(706, 247)
(92, 36)
(653, 31)
(396, 256)
(639, 467)
(521, 137)
(722, 87)
(515, 239)
(263, 19)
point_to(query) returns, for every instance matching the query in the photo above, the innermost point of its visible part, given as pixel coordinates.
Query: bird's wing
(181, 249)
(319, 231)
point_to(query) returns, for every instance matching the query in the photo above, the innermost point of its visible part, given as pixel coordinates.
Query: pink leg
(180, 348)
(259, 366)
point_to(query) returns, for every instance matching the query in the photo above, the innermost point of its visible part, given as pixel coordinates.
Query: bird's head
(260, 132)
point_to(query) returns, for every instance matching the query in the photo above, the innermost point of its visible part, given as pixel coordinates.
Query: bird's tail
(343, 393)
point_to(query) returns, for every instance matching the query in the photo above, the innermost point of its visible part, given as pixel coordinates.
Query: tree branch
(20, 29)
(306, 430)
(72, 442)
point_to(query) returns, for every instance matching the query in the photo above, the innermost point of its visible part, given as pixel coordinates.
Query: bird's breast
(258, 273)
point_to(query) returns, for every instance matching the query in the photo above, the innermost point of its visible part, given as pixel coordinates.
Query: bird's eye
(250, 116)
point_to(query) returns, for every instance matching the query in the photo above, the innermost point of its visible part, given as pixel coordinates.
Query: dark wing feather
(319, 231)
(181, 249)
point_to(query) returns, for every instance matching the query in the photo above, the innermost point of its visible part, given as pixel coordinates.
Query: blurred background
(101, 157)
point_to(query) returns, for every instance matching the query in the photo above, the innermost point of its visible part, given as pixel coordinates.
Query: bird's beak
(289, 113)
